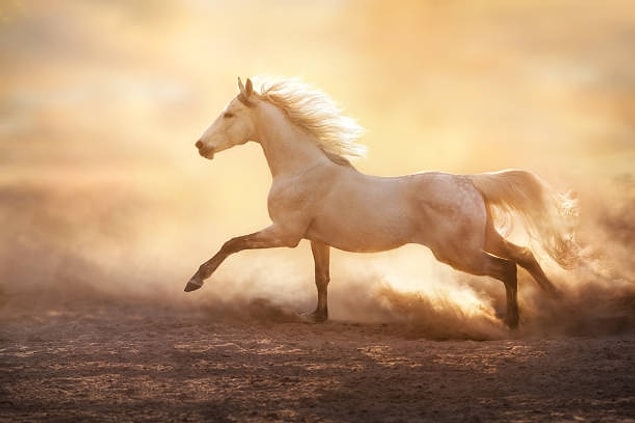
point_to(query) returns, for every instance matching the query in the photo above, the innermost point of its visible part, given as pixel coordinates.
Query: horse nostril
(199, 144)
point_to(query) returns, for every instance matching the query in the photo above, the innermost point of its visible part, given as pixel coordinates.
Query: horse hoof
(314, 317)
(193, 285)
(512, 324)
(556, 294)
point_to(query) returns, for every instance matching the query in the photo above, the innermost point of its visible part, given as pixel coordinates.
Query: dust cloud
(104, 198)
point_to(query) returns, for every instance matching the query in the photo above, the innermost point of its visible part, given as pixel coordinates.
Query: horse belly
(362, 222)
(357, 238)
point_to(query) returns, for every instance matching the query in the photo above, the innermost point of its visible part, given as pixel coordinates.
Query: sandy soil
(110, 360)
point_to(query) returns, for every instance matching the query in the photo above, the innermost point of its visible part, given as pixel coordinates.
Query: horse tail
(549, 216)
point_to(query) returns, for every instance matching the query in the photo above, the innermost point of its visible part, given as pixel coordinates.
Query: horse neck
(289, 150)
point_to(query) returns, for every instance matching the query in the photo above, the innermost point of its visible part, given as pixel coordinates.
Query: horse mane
(315, 112)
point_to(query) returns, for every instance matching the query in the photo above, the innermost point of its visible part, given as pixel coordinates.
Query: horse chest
(288, 200)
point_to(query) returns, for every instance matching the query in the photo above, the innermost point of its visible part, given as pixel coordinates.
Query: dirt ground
(114, 360)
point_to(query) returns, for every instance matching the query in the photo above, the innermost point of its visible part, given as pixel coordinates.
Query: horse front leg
(321, 254)
(270, 237)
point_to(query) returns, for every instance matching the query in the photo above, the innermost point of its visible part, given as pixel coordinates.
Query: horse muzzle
(207, 152)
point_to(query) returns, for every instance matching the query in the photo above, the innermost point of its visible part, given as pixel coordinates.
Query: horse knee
(234, 245)
(322, 281)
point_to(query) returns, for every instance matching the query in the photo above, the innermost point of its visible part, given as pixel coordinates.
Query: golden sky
(456, 86)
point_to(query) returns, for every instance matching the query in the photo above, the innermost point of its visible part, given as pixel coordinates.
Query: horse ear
(245, 92)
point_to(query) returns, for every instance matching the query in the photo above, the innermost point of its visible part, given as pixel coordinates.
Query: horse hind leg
(525, 258)
(505, 271)
(499, 246)
(484, 264)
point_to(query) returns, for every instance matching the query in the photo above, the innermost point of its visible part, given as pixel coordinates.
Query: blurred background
(102, 190)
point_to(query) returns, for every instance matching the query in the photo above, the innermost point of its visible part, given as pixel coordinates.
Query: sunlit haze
(101, 103)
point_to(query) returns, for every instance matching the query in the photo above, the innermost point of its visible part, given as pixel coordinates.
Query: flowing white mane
(315, 112)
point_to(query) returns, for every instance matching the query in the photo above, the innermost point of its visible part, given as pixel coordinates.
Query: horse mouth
(208, 153)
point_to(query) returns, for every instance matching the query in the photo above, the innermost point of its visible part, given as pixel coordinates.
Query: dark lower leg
(511, 291)
(505, 271)
(321, 312)
(322, 278)
(206, 269)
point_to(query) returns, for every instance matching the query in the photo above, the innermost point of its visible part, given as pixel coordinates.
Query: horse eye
(228, 115)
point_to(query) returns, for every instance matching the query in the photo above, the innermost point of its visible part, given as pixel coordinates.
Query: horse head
(234, 126)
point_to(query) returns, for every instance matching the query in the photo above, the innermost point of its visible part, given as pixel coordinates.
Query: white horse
(316, 194)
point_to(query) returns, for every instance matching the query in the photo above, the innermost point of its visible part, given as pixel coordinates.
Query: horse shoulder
(297, 197)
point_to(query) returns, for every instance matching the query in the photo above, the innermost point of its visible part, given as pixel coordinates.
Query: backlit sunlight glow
(101, 103)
